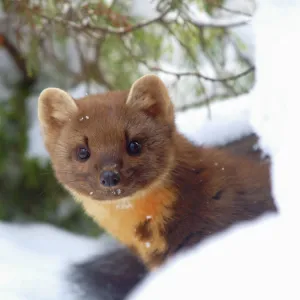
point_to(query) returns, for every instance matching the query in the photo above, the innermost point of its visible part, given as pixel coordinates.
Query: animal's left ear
(150, 95)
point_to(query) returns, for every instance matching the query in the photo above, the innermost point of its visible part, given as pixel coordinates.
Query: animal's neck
(137, 221)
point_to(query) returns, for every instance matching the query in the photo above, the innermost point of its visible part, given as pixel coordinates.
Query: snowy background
(255, 261)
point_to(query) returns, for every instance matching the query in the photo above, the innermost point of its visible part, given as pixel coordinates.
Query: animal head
(111, 145)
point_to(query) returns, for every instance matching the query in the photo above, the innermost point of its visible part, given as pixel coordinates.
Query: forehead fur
(98, 102)
(109, 109)
(100, 111)
(103, 111)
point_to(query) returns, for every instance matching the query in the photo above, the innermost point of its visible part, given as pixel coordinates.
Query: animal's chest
(138, 223)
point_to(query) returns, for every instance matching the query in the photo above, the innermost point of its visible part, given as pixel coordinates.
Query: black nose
(109, 178)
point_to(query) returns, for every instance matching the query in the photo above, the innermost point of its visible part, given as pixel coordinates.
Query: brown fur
(170, 196)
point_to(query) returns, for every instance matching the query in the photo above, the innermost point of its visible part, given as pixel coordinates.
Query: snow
(34, 260)
(253, 261)
(258, 260)
(230, 120)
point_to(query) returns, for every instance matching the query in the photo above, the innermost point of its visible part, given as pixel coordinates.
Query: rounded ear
(55, 108)
(150, 95)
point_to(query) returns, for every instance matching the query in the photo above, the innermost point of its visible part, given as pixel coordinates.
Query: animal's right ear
(55, 108)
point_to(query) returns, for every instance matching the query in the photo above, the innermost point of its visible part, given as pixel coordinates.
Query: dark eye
(83, 153)
(134, 148)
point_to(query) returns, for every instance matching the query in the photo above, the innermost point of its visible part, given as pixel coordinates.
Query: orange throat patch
(137, 221)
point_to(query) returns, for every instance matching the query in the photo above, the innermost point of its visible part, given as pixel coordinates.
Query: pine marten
(120, 155)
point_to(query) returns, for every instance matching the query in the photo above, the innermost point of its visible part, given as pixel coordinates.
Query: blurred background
(202, 49)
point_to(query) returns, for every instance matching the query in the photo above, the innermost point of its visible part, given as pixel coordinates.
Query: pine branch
(223, 24)
(96, 29)
(199, 75)
(185, 74)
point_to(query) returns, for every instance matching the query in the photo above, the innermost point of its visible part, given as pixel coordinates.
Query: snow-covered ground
(259, 261)
(35, 259)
